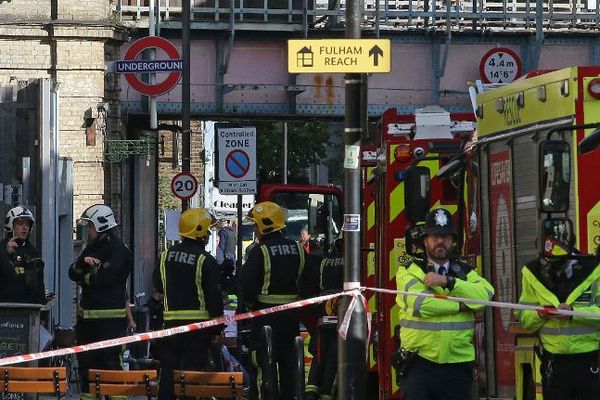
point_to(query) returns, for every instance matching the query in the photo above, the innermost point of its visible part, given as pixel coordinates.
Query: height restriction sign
(236, 160)
(500, 65)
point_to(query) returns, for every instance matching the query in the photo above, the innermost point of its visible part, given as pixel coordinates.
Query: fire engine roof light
(591, 142)
(594, 88)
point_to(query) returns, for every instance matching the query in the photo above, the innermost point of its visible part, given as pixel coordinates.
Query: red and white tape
(343, 330)
(491, 303)
(141, 337)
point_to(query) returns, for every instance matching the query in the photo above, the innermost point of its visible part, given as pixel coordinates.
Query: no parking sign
(236, 160)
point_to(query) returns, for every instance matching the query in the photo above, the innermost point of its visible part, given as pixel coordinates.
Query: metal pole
(152, 77)
(185, 92)
(285, 150)
(240, 256)
(352, 363)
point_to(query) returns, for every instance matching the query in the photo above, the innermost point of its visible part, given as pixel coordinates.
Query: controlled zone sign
(339, 56)
(500, 65)
(130, 66)
(184, 185)
(236, 160)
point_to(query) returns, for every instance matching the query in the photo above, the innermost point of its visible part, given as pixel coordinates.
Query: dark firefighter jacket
(189, 277)
(103, 286)
(274, 272)
(331, 273)
(21, 275)
(326, 277)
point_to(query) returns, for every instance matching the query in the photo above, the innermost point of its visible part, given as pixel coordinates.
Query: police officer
(189, 278)
(101, 271)
(436, 334)
(323, 347)
(272, 276)
(569, 345)
(21, 268)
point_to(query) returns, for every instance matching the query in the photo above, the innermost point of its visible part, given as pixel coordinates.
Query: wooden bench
(35, 380)
(226, 385)
(123, 383)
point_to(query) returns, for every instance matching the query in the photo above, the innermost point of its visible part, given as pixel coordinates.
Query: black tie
(442, 270)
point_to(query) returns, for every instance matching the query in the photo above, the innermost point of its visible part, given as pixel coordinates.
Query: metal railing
(553, 15)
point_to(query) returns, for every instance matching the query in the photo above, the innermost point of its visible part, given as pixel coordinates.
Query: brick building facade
(68, 42)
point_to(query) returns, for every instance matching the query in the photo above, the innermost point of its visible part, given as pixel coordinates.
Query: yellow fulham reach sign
(339, 56)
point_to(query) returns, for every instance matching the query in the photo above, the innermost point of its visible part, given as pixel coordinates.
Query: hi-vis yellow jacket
(436, 328)
(563, 336)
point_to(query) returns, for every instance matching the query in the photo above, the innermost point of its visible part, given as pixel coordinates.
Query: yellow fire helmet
(268, 217)
(195, 223)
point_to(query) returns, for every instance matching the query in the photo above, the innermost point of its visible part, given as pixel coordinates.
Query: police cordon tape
(355, 293)
(491, 303)
(142, 337)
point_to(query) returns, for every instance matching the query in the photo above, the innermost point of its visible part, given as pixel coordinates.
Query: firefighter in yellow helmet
(437, 351)
(568, 346)
(272, 275)
(190, 280)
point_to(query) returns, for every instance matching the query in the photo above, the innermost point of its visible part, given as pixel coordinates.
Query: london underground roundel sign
(130, 66)
(500, 65)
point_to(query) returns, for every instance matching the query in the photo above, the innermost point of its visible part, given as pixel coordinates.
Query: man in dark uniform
(323, 347)
(569, 345)
(190, 280)
(21, 268)
(272, 276)
(102, 271)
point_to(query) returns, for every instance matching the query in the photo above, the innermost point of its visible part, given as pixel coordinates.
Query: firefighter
(436, 335)
(21, 268)
(101, 271)
(271, 276)
(569, 345)
(189, 278)
(330, 278)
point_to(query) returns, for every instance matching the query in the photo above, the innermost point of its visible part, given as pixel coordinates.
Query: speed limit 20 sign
(500, 65)
(184, 185)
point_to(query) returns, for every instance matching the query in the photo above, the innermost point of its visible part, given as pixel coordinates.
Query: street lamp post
(352, 364)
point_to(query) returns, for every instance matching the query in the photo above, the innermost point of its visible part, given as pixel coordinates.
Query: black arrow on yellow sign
(375, 52)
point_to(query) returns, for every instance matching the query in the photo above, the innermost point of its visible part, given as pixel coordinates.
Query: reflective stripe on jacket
(563, 336)
(199, 313)
(436, 328)
(274, 272)
(266, 296)
(96, 314)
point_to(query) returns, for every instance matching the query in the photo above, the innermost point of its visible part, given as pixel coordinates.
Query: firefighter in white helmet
(102, 271)
(21, 268)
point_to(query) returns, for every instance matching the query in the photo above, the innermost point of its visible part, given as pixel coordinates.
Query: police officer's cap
(439, 222)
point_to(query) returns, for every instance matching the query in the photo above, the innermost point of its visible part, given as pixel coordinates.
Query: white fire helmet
(14, 213)
(99, 215)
